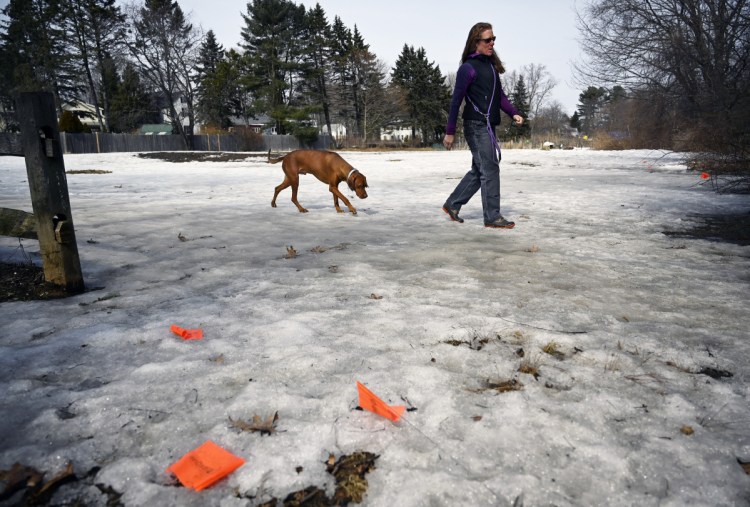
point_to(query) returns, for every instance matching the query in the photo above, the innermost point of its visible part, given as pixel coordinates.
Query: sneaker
(500, 223)
(453, 213)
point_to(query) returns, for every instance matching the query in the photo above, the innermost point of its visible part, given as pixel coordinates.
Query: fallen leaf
(687, 430)
(19, 477)
(504, 386)
(264, 427)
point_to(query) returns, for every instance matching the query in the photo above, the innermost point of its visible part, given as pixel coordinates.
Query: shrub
(249, 140)
(69, 122)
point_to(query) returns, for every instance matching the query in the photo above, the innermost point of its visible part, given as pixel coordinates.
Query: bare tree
(164, 47)
(551, 119)
(695, 52)
(380, 103)
(539, 86)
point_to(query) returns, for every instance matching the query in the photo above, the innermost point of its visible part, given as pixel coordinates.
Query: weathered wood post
(49, 190)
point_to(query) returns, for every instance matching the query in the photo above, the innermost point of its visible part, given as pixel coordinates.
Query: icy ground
(630, 403)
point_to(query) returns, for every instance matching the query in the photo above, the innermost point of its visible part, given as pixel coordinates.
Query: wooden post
(49, 190)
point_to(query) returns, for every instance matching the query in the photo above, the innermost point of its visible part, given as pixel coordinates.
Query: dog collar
(350, 174)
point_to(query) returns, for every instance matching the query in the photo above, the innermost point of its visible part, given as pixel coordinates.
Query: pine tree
(591, 102)
(426, 94)
(268, 35)
(35, 56)
(132, 105)
(213, 78)
(240, 85)
(96, 29)
(520, 99)
(341, 73)
(318, 36)
(575, 121)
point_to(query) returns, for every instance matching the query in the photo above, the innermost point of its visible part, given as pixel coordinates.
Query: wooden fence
(10, 144)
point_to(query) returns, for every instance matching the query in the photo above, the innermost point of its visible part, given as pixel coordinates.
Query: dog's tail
(274, 160)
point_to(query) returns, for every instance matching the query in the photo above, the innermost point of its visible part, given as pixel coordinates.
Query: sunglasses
(488, 40)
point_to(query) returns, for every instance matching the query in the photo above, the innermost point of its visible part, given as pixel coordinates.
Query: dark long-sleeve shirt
(474, 82)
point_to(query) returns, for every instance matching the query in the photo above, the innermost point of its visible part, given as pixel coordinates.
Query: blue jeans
(484, 173)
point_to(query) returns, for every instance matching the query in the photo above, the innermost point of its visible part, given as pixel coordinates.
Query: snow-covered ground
(425, 312)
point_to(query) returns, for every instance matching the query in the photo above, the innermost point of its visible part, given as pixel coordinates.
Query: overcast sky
(541, 32)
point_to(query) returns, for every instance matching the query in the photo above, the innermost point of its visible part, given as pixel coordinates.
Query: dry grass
(612, 364)
(530, 365)
(552, 348)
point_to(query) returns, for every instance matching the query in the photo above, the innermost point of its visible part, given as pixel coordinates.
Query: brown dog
(327, 166)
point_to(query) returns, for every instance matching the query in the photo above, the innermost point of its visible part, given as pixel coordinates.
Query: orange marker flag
(187, 334)
(368, 401)
(202, 467)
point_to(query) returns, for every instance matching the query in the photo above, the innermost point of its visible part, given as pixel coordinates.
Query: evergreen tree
(318, 36)
(591, 102)
(213, 75)
(341, 73)
(575, 121)
(240, 85)
(34, 55)
(132, 105)
(95, 28)
(427, 96)
(357, 58)
(520, 99)
(269, 36)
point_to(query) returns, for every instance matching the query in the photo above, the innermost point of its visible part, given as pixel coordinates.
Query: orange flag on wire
(202, 467)
(187, 334)
(368, 401)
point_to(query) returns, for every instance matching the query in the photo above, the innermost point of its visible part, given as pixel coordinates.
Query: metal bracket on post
(48, 142)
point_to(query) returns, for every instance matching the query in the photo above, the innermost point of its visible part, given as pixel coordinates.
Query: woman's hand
(518, 119)
(448, 142)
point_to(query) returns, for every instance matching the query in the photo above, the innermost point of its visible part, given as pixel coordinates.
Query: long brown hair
(475, 35)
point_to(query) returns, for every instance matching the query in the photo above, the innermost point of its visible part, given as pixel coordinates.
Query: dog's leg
(338, 195)
(336, 204)
(294, 197)
(278, 189)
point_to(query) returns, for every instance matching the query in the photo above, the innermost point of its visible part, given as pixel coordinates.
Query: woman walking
(478, 82)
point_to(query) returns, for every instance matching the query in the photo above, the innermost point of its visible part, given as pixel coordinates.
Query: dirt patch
(25, 282)
(727, 228)
(199, 156)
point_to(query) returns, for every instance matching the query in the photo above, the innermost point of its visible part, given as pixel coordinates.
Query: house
(156, 129)
(258, 125)
(85, 112)
(398, 132)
